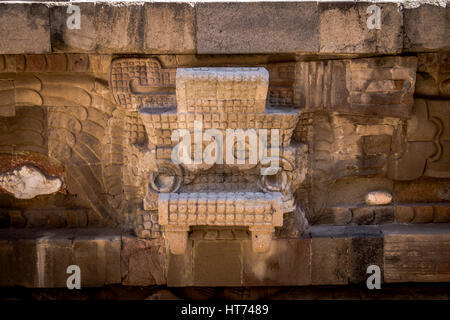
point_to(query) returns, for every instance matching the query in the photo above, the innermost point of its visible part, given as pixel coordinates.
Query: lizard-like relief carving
(218, 153)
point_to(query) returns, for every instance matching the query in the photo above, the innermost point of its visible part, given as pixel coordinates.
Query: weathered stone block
(17, 261)
(330, 257)
(427, 28)
(143, 262)
(24, 28)
(404, 214)
(227, 28)
(374, 145)
(39, 259)
(180, 272)
(442, 213)
(169, 28)
(218, 263)
(384, 214)
(363, 215)
(65, 39)
(119, 28)
(287, 263)
(151, 28)
(343, 29)
(381, 86)
(417, 253)
(363, 253)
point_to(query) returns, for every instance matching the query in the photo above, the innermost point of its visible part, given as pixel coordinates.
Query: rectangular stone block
(180, 272)
(217, 263)
(119, 29)
(39, 258)
(364, 252)
(344, 28)
(17, 262)
(288, 262)
(24, 28)
(427, 28)
(67, 39)
(417, 253)
(227, 28)
(143, 262)
(340, 253)
(169, 28)
(330, 260)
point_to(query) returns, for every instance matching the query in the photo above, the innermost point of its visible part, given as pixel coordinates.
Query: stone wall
(86, 117)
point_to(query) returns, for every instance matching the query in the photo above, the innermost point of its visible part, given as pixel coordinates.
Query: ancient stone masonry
(197, 193)
(132, 124)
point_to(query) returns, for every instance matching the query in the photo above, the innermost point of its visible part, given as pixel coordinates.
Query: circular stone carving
(279, 181)
(168, 177)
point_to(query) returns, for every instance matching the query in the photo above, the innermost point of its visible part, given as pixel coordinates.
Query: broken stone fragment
(376, 198)
(27, 182)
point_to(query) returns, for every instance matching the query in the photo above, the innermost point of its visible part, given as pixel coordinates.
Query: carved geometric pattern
(142, 83)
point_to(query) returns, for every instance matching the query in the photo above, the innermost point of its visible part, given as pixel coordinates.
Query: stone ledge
(328, 256)
(332, 28)
(39, 258)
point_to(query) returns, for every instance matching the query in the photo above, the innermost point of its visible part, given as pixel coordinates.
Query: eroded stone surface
(27, 182)
(25, 28)
(344, 28)
(376, 198)
(257, 27)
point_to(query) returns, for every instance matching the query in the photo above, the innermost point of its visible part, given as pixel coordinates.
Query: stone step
(327, 255)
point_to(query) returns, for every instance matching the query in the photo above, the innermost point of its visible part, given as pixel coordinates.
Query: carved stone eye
(167, 179)
(275, 182)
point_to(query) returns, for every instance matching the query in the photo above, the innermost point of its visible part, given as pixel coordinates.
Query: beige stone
(143, 262)
(343, 28)
(329, 263)
(24, 28)
(230, 28)
(376, 198)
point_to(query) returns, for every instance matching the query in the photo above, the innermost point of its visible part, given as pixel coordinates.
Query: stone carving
(221, 99)
(260, 211)
(27, 182)
(424, 149)
(373, 86)
(433, 75)
(142, 83)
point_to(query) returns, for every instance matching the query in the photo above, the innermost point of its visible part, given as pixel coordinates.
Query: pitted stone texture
(111, 28)
(27, 182)
(143, 262)
(39, 259)
(24, 28)
(226, 28)
(343, 29)
(259, 211)
(219, 87)
(427, 28)
(417, 253)
(64, 39)
(288, 262)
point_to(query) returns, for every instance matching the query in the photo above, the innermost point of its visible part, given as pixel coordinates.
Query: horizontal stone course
(327, 255)
(222, 28)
